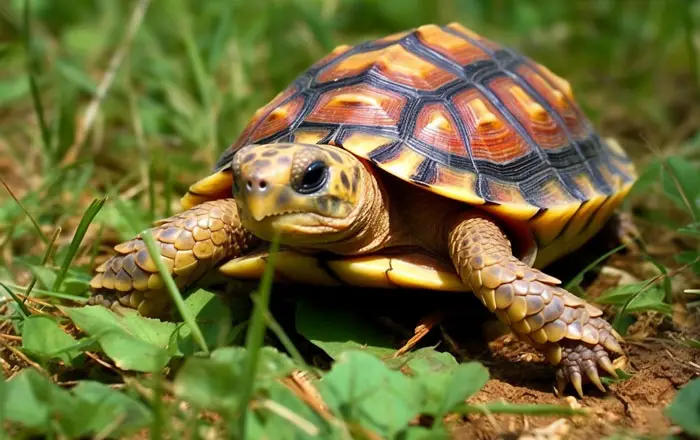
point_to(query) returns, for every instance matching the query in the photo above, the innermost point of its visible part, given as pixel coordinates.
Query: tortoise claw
(611, 344)
(576, 381)
(592, 373)
(581, 362)
(605, 363)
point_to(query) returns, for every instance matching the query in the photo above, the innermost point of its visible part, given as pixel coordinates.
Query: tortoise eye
(314, 179)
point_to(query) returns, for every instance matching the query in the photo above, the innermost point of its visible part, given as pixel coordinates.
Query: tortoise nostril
(256, 184)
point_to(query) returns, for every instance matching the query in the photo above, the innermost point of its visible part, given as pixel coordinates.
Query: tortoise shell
(446, 109)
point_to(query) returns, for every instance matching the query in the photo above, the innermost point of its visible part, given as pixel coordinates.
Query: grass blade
(576, 281)
(175, 294)
(44, 259)
(21, 289)
(256, 335)
(21, 308)
(34, 88)
(285, 340)
(80, 232)
(26, 212)
(535, 409)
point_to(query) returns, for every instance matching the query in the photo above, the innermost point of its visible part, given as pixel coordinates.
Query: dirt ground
(659, 368)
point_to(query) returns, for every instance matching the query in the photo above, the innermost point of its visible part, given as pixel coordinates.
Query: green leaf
(108, 408)
(214, 383)
(446, 383)
(274, 412)
(76, 76)
(466, 380)
(132, 341)
(432, 370)
(33, 399)
(690, 257)
(437, 432)
(681, 183)
(424, 361)
(214, 318)
(208, 384)
(362, 390)
(45, 276)
(647, 177)
(692, 229)
(684, 410)
(89, 408)
(335, 330)
(75, 283)
(77, 286)
(621, 377)
(642, 298)
(43, 338)
(12, 89)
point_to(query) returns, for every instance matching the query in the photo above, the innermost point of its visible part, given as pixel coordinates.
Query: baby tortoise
(434, 159)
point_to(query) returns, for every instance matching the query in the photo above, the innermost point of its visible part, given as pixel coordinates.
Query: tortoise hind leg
(190, 244)
(570, 332)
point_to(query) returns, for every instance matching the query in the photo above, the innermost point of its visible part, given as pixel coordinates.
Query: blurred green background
(197, 70)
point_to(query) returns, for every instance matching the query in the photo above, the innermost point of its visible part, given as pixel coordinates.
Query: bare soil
(658, 369)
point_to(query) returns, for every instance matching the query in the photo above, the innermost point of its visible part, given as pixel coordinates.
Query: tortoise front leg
(190, 243)
(569, 331)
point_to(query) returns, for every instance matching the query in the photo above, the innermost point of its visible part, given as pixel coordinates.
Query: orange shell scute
(473, 36)
(538, 123)
(489, 136)
(451, 46)
(359, 104)
(394, 63)
(262, 112)
(279, 118)
(435, 126)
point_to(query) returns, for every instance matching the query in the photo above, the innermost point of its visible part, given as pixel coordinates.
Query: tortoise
(433, 158)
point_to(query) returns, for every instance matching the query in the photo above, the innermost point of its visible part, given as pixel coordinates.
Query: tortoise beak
(267, 200)
(259, 190)
(258, 197)
(258, 206)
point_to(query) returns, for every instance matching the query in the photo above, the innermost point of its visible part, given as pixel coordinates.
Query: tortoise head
(309, 194)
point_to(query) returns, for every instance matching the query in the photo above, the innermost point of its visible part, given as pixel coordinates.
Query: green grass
(116, 107)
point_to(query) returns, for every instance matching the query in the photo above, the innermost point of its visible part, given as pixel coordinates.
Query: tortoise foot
(106, 299)
(189, 243)
(583, 362)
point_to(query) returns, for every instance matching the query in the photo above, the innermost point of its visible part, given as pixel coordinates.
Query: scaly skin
(190, 243)
(569, 331)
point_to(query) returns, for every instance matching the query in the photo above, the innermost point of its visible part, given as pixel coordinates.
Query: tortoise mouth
(293, 226)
